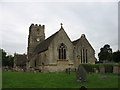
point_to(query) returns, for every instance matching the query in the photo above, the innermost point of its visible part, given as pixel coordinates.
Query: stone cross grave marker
(81, 74)
(102, 69)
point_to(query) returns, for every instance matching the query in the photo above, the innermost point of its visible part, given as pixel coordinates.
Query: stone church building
(57, 52)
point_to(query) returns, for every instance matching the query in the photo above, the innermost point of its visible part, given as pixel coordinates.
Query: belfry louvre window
(62, 51)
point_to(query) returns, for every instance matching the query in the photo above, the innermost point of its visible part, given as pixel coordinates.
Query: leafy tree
(105, 53)
(0, 57)
(10, 60)
(116, 56)
(3, 56)
(7, 60)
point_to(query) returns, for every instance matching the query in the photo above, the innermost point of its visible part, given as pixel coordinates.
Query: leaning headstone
(102, 69)
(81, 74)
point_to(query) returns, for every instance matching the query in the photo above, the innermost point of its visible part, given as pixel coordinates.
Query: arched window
(84, 54)
(62, 51)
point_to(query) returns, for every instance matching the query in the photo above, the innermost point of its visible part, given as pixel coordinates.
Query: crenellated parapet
(39, 26)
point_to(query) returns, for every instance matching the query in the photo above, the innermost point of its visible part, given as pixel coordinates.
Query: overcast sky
(97, 20)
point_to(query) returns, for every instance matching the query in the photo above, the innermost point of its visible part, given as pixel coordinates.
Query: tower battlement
(39, 26)
(37, 30)
(36, 36)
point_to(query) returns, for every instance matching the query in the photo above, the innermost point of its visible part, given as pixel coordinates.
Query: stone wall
(62, 62)
(43, 58)
(36, 36)
(83, 49)
(53, 52)
(56, 68)
(20, 69)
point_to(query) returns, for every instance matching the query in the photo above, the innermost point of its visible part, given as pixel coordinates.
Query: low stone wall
(6, 68)
(60, 67)
(19, 69)
(55, 68)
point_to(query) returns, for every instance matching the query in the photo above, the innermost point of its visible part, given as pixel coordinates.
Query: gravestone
(102, 69)
(95, 70)
(116, 69)
(81, 74)
(68, 70)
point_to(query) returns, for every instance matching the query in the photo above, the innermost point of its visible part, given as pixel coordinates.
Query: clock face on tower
(37, 39)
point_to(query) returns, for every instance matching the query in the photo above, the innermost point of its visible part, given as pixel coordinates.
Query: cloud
(97, 20)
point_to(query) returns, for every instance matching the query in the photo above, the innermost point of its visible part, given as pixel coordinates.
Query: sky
(97, 20)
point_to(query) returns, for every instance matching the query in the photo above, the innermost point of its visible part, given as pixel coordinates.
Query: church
(57, 52)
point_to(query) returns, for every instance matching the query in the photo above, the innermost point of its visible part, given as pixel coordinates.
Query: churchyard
(57, 80)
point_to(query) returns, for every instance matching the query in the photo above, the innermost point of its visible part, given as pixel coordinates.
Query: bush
(108, 68)
(90, 67)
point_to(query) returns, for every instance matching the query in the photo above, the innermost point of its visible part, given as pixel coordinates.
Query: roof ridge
(44, 44)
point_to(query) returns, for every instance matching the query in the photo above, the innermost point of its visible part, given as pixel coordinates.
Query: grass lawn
(56, 80)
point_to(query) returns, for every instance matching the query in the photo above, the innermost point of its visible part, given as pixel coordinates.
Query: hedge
(90, 67)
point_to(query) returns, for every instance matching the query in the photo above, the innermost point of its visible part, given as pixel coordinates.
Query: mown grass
(56, 80)
(0, 79)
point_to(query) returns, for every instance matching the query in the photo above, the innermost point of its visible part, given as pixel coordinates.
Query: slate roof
(43, 46)
(20, 59)
(81, 40)
(75, 42)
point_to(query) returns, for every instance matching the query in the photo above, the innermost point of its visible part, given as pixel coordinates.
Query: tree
(7, 60)
(3, 57)
(0, 57)
(105, 53)
(10, 60)
(116, 56)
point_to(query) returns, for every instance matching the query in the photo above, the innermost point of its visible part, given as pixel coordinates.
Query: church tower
(36, 36)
